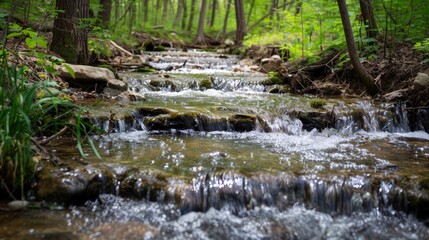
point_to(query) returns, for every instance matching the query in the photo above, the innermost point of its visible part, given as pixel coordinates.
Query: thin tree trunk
(132, 17)
(191, 17)
(368, 18)
(252, 4)
(185, 14)
(179, 13)
(225, 21)
(157, 11)
(69, 40)
(164, 11)
(105, 12)
(241, 22)
(200, 39)
(116, 10)
(213, 16)
(364, 76)
(145, 10)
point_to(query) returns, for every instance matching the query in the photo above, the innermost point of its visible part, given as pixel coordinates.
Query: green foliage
(32, 109)
(98, 42)
(424, 47)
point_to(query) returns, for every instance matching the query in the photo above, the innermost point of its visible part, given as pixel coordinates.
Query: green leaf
(41, 42)
(50, 69)
(70, 70)
(15, 34)
(30, 43)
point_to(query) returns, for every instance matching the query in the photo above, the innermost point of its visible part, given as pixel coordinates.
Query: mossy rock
(178, 121)
(243, 122)
(318, 103)
(147, 184)
(206, 84)
(73, 184)
(314, 120)
(149, 111)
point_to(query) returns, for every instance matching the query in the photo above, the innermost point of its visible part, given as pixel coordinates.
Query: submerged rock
(73, 185)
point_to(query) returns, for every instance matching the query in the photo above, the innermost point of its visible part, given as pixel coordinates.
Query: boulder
(421, 82)
(83, 72)
(129, 96)
(271, 64)
(76, 185)
(90, 79)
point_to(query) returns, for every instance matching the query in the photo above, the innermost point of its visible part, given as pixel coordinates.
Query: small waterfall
(337, 195)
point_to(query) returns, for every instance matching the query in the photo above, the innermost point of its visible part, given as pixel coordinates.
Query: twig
(59, 133)
(120, 48)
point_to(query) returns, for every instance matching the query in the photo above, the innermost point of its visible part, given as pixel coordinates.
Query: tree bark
(145, 10)
(241, 23)
(364, 76)
(178, 13)
(69, 39)
(213, 16)
(252, 4)
(165, 11)
(200, 39)
(185, 14)
(105, 12)
(368, 18)
(225, 21)
(191, 17)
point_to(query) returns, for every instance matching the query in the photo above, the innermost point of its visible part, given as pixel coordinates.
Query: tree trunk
(185, 14)
(116, 10)
(200, 33)
(225, 21)
(165, 11)
(213, 16)
(364, 76)
(156, 11)
(145, 10)
(178, 13)
(252, 4)
(191, 17)
(241, 22)
(105, 12)
(132, 19)
(69, 39)
(368, 18)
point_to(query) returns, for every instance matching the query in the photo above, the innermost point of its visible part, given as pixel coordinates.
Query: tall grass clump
(30, 110)
(17, 101)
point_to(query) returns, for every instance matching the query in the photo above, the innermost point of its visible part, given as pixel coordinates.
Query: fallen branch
(120, 48)
(59, 133)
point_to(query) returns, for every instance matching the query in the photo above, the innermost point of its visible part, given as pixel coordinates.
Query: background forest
(303, 27)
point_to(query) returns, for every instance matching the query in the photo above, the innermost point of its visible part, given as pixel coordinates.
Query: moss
(206, 84)
(159, 48)
(318, 103)
(146, 70)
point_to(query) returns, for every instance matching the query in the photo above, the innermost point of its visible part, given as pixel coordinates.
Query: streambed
(211, 154)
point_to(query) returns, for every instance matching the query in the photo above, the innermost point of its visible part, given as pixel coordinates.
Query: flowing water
(215, 156)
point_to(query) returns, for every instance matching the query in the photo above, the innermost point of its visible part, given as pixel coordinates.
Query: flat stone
(129, 96)
(87, 72)
(117, 84)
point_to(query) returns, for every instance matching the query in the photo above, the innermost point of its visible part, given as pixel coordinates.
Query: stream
(211, 154)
